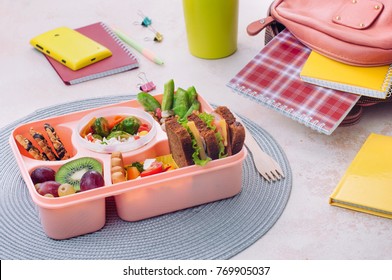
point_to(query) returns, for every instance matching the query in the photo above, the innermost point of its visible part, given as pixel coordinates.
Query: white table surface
(309, 227)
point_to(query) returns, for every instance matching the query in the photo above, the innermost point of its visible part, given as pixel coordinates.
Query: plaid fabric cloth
(272, 79)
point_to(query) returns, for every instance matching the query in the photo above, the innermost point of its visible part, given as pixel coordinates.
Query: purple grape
(42, 174)
(48, 187)
(91, 180)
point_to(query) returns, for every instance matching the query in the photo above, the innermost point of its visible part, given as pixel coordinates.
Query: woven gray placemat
(217, 230)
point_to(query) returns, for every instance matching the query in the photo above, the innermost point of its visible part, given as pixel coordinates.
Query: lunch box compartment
(63, 132)
(138, 199)
(182, 188)
(76, 219)
(111, 112)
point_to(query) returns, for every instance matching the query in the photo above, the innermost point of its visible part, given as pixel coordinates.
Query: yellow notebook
(368, 81)
(367, 184)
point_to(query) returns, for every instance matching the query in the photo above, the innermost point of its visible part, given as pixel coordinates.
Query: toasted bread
(208, 135)
(236, 133)
(180, 142)
(237, 137)
(198, 143)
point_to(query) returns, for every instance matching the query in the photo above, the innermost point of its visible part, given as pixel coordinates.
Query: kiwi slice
(72, 171)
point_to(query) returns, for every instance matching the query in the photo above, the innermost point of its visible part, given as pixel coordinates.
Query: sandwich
(235, 130)
(203, 137)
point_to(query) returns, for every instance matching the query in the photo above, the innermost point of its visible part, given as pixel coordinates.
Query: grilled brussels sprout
(129, 125)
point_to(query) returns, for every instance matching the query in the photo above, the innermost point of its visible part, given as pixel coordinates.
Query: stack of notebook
(272, 78)
(367, 81)
(310, 88)
(121, 60)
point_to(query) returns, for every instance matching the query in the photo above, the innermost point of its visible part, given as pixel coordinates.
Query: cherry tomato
(90, 137)
(155, 168)
(143, 127)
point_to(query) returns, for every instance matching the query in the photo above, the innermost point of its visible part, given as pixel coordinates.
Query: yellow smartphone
(70, 47)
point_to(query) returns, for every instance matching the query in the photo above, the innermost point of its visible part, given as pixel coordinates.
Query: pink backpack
(357, 32)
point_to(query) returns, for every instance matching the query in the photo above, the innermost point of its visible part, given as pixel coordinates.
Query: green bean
(181, 102)
(195, 106)
(192, 94)
(168, 96)
(148, 101)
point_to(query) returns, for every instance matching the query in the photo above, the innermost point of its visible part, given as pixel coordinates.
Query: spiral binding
(279, 107)
(365, 92)
(388, 82)
(118, 40)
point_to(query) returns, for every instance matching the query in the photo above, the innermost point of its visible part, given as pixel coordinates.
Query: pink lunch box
(84, 212)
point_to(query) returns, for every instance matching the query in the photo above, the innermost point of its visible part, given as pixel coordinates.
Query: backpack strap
(255, 27)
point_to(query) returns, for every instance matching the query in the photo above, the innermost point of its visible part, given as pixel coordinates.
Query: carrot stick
(87, 128)
(116, 121)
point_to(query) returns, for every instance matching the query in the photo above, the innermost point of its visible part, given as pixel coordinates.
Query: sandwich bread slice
(204, 137)
(180, 142)
(209, 140)
(235, 130)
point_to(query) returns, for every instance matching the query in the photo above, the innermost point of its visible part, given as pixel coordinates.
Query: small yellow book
(373, 81)
(367, 183)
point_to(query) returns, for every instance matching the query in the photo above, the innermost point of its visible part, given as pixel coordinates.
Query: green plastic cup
(212, 27)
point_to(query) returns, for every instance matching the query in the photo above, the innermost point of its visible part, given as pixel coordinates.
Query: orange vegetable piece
(116, 121)
(132, 173)
(87, 128)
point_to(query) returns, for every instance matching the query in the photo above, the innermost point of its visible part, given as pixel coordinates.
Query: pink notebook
(121, 60)
(272, 79)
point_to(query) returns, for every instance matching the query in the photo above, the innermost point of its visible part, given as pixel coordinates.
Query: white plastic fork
(265, 164)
